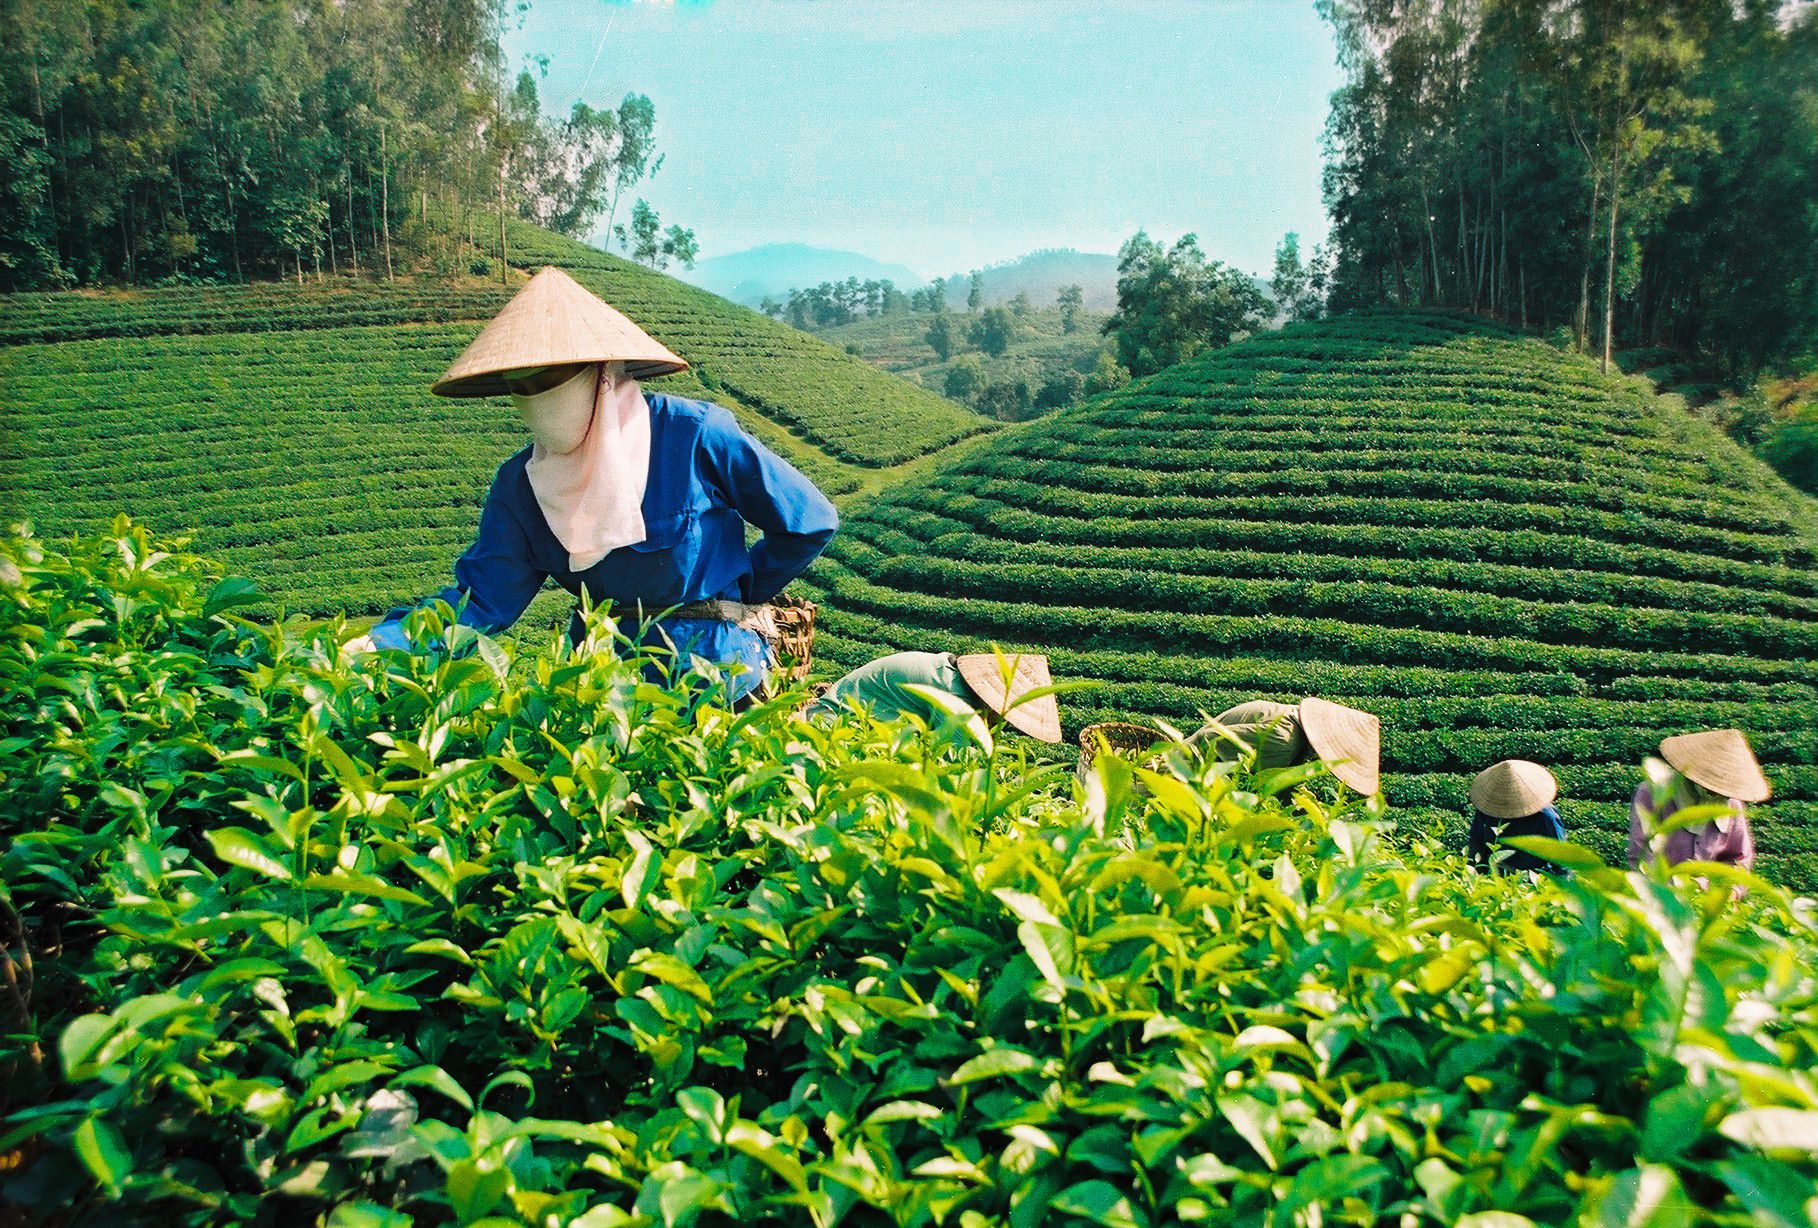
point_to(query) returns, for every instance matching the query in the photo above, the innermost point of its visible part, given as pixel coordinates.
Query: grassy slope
(899, 344)
(1477, 536)
(292, 427)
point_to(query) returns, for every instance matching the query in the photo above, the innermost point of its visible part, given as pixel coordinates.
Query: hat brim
(984, 675)
(1347, 740)
(492, 383)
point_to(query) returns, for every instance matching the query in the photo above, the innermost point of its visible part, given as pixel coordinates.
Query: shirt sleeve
(1641, 804)
(1478, 842)
(495, 578)
(767, 491)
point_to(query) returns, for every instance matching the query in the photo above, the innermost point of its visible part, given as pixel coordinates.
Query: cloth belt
(758, 618)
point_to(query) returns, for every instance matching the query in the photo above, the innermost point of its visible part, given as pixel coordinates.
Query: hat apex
(553, 321)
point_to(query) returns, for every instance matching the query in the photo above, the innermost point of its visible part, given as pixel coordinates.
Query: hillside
(293, 427)
(1477, 536)
(1042, 275)
(899, 344)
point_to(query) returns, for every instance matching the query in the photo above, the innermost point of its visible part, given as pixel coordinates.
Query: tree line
(833, 303)
(1638, 171)
(169, 139)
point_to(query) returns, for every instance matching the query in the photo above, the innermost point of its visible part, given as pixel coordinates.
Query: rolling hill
(292, 427)
(1041, 275)
(899, 344)
(1477, 536)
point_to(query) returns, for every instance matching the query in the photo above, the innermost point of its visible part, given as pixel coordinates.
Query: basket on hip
(1125, 739)
(793, 644)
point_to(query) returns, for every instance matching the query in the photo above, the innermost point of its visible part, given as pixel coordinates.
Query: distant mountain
(777, 268)
(1041, 275)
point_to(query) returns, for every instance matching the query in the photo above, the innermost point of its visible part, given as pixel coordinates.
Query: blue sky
(948, 135)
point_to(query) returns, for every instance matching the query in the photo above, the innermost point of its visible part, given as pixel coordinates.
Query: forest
(178, 141)
(1640, 172)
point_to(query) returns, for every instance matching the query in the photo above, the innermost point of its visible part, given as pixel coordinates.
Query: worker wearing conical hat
(638, 498)
(1713, 767)
(1010, 688)
(1513, 798)
(1346, 740)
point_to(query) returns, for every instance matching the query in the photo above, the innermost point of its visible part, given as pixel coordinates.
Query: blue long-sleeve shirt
(708, 480)
(1482, 844)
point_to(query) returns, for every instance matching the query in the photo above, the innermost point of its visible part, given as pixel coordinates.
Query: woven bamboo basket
(1125, 739)
(794, 644)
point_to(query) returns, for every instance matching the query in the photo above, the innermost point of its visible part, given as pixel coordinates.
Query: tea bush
(1480, 538)
(292, 940)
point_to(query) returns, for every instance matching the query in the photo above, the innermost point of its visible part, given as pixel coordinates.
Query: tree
(992, 330)
(1020, 306)
(772, 307)
(1555, 161)
(1623, 68)
(1172, 303)
(1071, 300)
(1008, 400)
(679, 245)
(635, 157)
(937, 295)
(1063, 387)
(271, 137)
(975, 296)
(1107, 374)
(644, 239)
(943, 337)
(964, 379)
(1298, 289)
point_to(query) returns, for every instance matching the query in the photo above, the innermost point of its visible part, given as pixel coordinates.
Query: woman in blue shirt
(635, 498)
(1513, 798)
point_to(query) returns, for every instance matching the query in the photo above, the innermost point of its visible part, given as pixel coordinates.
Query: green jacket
(882, 686)
(1272, 729)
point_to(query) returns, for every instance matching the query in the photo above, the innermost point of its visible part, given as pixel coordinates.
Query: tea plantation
(409, 941)
(294, 429)
(1473, 535)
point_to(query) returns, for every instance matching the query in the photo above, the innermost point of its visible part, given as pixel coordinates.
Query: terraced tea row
(26, 318)
(1481, 539)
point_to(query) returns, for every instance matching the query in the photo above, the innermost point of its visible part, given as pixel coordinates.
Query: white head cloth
(591, 460)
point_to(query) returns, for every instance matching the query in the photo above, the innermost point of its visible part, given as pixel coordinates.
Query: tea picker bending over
(1513, 798)
(1715, 767)
(1346, 740)
(889, 687)
(633, 497)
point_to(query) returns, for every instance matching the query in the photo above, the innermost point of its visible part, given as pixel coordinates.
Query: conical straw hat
(1039, 718)
(553, 320)
(1719, 760)
(1513, 789)
(1346, 740)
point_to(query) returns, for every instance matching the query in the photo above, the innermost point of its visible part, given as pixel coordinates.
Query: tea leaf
(103, 1152)
(992, 1064)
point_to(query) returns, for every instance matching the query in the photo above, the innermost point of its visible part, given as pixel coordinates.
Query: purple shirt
(1705, 842)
